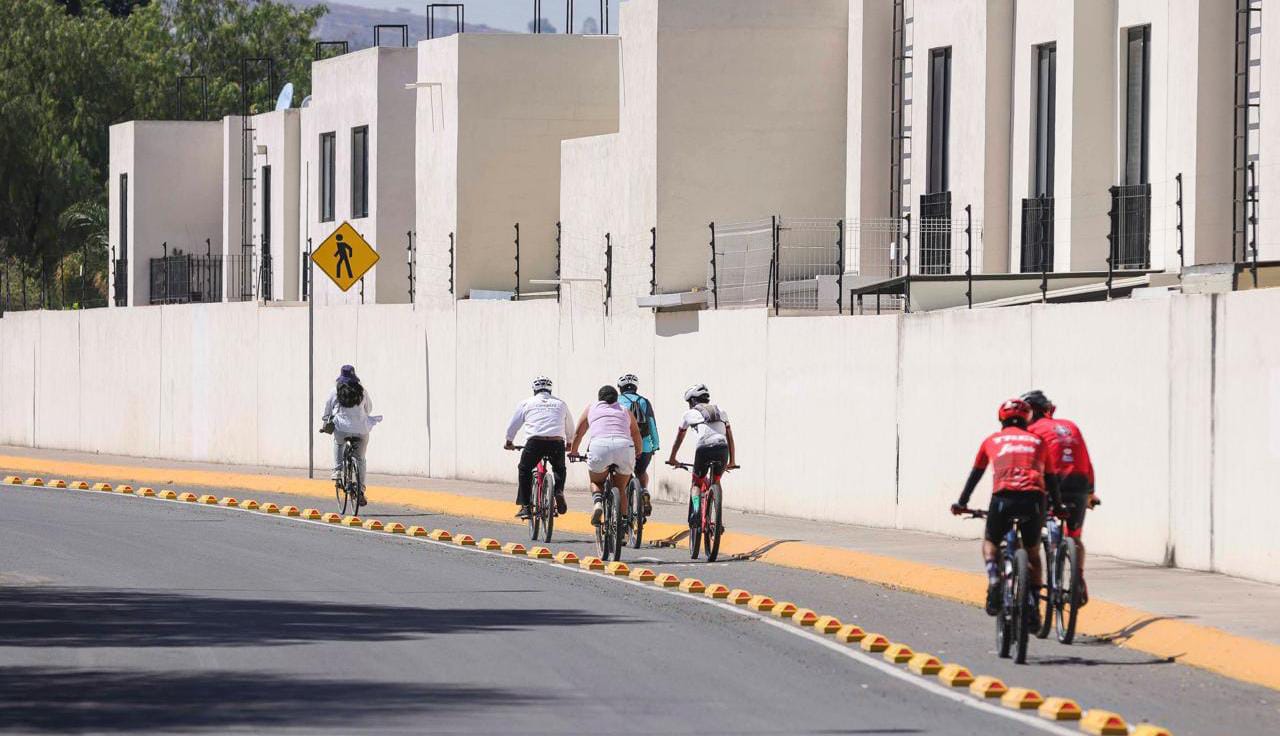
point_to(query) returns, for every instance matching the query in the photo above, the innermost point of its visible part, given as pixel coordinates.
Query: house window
(939, 173)
(326, 176)
(360, 171)
(1046, 82)
(124, 213)
(1137, 93)
(266, 209)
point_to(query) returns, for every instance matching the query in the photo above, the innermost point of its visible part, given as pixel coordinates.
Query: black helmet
(1040, 404)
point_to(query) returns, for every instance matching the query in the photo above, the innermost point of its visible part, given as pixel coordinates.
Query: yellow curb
(352, 521)
(591, 563)
(331, 518)
(986, 686)
(850, 633)
(416, 531)
(166, 494)
(289, 511)
(312, 514)
(207, 499)
(565, 557)
(250, 505)
(269, 508)
(785, 609)
(488, 544)
(1021, 698)
(874, 643)
(373, 525)
(827, 625)
(739, 597)
(187, 497)
(666, 580)
(228, 501)
(79, 485)
(513, 548)
(898, 653)
(35, 482)
(12, 480)
(643, 574)
(716, 591)
(102, 486)
(692, 585)
(1239, 657)
(761, 603)
(1149, 729)
(1060, 709)
(144, 491)
(1103, 723)
(440, 535)
(464, 540)
(621, 569)
(804, 617)
(539, 553)
(924, 664)
(57, 484)
(955, 675)
(394, 527)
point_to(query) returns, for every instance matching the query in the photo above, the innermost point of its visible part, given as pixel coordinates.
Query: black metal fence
(1037, 234)
(1130, 227)
(239, 275)
(121, 282)
(935, 233)
(184, 279)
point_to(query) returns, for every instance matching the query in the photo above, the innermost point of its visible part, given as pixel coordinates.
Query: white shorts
(606, 451)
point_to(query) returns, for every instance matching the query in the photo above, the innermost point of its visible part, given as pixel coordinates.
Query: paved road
(119, 614)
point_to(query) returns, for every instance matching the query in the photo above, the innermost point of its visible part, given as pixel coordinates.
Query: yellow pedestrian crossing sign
(345, 256)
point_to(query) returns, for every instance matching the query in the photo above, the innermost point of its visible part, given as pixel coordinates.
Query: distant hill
(354, 24)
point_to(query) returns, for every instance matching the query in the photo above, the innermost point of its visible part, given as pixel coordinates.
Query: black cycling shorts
(705, 456)
(1025, 506)
(642, 463)
(1074, 492)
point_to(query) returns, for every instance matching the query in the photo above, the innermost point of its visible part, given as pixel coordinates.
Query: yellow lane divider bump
(464, 540)
(250, 505)
(565, 557)
(394, 527)
(187, 497)
(621, 569)
(416, 531)
(207, 499)
(144, 491)
(692, 585)
(331, 518)
(761, 603)
(513, 548)
(739, 597)
(805, 617)
(166, 494)
(898, 653)
(351, 521)
(591, 563)
(643, 574)
(488, 544)
(716, 591)
(539, 553)
(850, 633)
(1021, 698)
(269, 508)
(955, 675)
(228, 501)
(827, 625)
(79, 485)
(57, 484)
(440, 535)
(874, 643)
(289, 511)
(1103, 723)
(666, 580)
(12, 480)
(1150, 729)
(373, 525)
(1059, 709)
(312, 514)
(785, 609)
(986, 686)
(102, 487)
(128, 489)
(924, 664)
(35, 482)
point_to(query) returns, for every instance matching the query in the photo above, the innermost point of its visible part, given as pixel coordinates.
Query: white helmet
(541, 383)
(629, 379)
(697, 391)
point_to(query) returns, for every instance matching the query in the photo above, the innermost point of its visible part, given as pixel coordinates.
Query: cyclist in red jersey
(1021, 474)
(1070, 457)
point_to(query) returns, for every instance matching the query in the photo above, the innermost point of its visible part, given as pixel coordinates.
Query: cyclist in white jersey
(547, 426)
(714, 434)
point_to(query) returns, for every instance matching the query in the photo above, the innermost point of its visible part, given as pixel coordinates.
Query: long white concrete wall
(870, 420)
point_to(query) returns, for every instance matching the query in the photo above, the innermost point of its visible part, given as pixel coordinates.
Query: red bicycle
(543, 515)
(706, 512)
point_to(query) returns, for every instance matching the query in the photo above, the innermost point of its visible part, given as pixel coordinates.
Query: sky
(505, 14)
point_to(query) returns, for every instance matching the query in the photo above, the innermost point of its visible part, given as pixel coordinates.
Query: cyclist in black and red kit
(1021, 474)
(1069, 456)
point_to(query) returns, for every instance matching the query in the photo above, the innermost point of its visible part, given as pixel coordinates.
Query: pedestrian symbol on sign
(345, 256)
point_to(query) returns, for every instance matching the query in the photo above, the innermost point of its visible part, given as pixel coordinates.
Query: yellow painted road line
(1238, 657)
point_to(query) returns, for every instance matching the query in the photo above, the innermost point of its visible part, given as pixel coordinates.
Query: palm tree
(88, 222)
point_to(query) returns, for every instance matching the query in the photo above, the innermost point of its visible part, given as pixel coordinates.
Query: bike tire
(549, 517)
(535, 514)
(1004, 631)
(695, 532)
(1050, 590)
(711, 535)
(616, 523)
(600, 530)
(1069, 602)
(637, 515)
(1021, 631)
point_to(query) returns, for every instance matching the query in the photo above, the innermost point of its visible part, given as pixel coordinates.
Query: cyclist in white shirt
(547, 427)
(346, 414)
(615, 437)
(714, 434)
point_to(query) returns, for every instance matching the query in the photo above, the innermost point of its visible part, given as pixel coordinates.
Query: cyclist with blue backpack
(642, 409)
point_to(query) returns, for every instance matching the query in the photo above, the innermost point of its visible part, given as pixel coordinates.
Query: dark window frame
(124, 213)
(1045, 108)
(328, 176)
(1137, 172)
(360, 172)
(266, 208)
(938, 161)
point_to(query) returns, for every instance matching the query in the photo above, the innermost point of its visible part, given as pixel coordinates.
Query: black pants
(705, 457)
(534, 450)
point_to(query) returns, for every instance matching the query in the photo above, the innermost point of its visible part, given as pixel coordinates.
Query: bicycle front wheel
(1068, 564)
(711, 534)
(1020, 618)
(695, 531)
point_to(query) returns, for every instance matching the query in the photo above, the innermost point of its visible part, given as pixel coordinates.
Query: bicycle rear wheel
(350, 502)
(548, 506)
(1020, 618)
(1050, 589)
(1068, 608)
(535, 514)
(711, 535)
(616, 523)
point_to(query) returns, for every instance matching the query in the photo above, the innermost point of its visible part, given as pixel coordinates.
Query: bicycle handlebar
(689, 466)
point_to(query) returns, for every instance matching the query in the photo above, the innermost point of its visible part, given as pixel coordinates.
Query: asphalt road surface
(120, 614)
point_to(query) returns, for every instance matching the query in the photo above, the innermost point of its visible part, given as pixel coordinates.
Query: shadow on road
(63, 700)
(44, 616)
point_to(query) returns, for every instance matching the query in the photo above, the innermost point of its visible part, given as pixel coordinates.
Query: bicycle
(612, 529)
(1062, 597)
(348, 489)
(708, 527)
(1012, 623)
(543, 515)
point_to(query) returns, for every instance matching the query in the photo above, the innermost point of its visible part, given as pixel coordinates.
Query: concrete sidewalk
(1151, 608)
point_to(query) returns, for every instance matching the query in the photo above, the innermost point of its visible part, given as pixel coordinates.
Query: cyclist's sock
(993, 575)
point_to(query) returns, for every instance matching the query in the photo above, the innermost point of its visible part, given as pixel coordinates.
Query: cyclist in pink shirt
(615, 439)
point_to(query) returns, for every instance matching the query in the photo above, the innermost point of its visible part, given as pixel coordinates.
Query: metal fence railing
(239, 273)
(184, 279)
(1130, 227)
(810, 257)
(740, 272)
(121, 282)
(1037, 234)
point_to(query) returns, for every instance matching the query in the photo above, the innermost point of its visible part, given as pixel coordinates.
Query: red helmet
(1014, 409)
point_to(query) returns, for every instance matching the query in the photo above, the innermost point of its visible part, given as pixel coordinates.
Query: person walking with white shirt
(547, 427)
